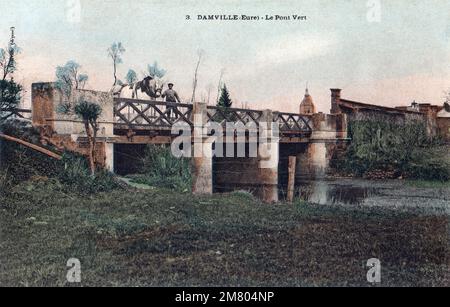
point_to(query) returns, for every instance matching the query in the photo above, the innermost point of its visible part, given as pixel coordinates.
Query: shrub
(76, 175)
(162, 169)
(403, 149)
(5, 181)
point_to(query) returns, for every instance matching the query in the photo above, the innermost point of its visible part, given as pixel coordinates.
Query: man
(171, 96)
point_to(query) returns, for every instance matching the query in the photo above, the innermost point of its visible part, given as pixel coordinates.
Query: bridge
(127, 125)
(142, 116)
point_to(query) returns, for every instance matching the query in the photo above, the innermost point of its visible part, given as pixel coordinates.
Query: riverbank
(160, 238)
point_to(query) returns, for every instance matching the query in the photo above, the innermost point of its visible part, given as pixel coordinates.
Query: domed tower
(307, 106)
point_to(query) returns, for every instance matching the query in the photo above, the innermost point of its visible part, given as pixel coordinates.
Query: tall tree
(200, 54)
(10, 91)
(115, 52)
(89, 113)
(69, 78)
(225, 100)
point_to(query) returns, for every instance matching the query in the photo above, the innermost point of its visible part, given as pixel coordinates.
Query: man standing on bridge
(171, 96)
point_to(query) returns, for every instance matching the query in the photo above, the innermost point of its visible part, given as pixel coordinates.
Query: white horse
(152, 87)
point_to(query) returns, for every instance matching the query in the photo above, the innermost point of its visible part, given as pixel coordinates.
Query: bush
(76, 175)
(5, 181)
(429, 164)
(403, 149)
(162, 169)
(19, 163)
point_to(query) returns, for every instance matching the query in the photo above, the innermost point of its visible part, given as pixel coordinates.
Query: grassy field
(160, 238)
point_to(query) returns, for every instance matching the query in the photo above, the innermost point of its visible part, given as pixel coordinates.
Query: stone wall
(66, 131)
(443, 124)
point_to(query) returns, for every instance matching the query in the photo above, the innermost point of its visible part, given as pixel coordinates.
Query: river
(396, 194)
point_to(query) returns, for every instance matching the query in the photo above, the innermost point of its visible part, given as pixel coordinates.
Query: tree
(68, 78)
(200, 54)
(115, 52)
(10, 91)
(209, 88)
(155, 71)
(219, 86)
(447, 102)
(89, 113)
(225, 100)
(131, 77)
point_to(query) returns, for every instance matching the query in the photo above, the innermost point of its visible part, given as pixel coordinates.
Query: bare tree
(200, 54)
(209, 89)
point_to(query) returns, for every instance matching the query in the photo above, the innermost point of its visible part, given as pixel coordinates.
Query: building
(307, 106)
(436, 118)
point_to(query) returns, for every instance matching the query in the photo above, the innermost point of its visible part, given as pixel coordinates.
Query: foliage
(20, 163)
(155, 71)
(10, 91)
(5, 180)
(403, 148)
(10, 95)
(87, 111)
(162, 169)
(69, 78)
(224, 104)
(115, 52)
(76, 176)
(225, 100)
(131, 77)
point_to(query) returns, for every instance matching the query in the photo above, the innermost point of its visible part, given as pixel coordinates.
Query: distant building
(436, 118)
(307, 106)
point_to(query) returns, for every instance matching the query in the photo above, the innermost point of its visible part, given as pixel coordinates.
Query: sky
(378, 51)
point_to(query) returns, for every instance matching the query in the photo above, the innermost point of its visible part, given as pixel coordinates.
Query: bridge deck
(143, 117)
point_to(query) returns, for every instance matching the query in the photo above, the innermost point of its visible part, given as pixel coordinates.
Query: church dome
(307, 106)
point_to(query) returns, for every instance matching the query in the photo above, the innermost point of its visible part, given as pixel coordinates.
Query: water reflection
(328, 192)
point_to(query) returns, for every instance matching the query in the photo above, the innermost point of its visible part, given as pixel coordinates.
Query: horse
(151, 86)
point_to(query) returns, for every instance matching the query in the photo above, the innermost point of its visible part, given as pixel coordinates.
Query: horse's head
(152, 86)
(156, 86)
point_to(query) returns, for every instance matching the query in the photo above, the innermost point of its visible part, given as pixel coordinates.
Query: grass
(428, 184)
(160, 238)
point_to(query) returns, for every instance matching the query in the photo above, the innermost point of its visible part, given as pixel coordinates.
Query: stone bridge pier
(328, 139)
(256, 172)
(265, 175)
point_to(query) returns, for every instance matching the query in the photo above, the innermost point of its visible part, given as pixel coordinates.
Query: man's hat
(171, 84)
